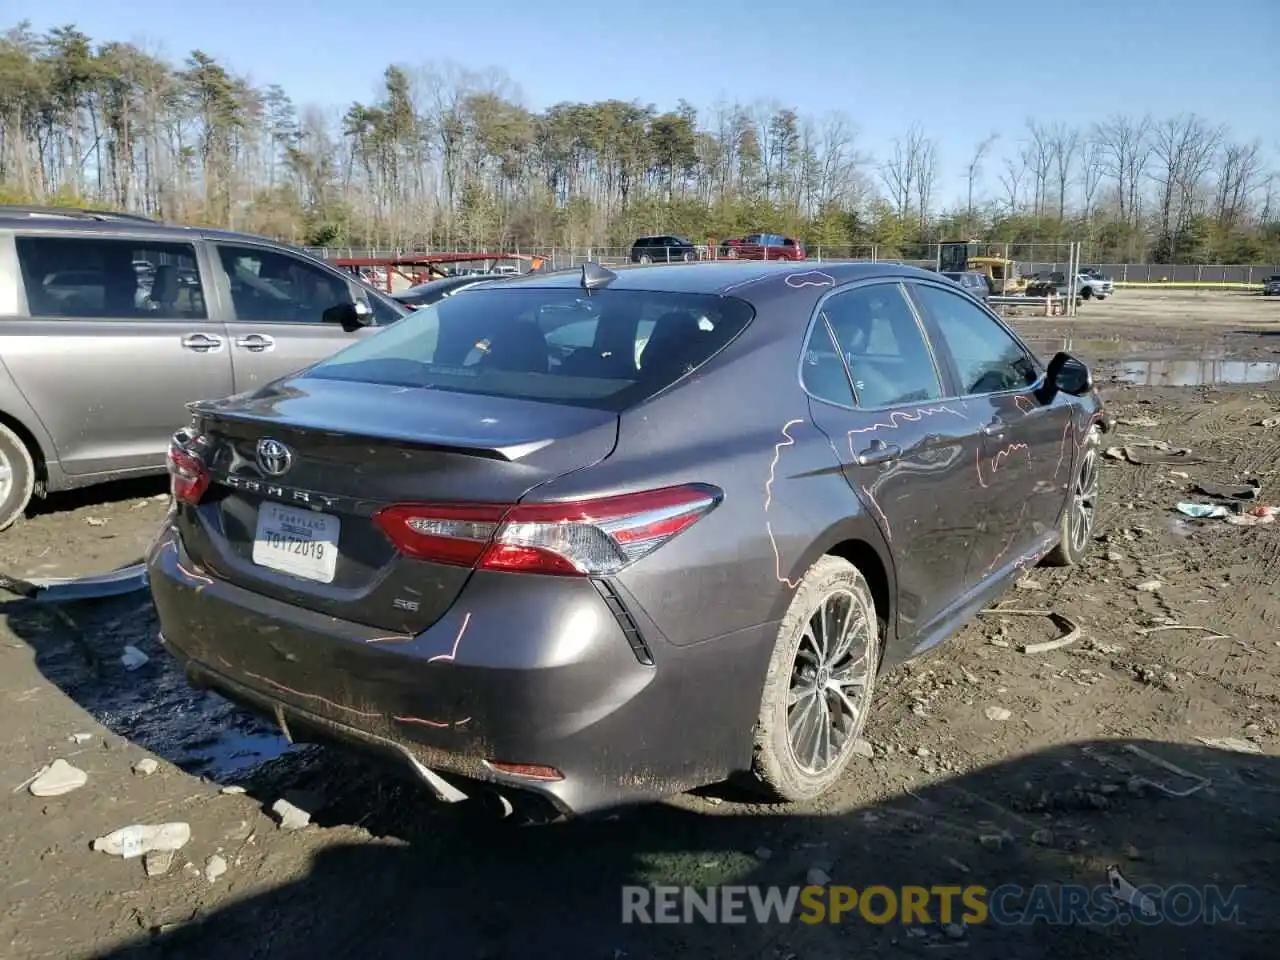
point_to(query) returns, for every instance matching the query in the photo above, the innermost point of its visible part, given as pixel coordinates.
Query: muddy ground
(1100, 740)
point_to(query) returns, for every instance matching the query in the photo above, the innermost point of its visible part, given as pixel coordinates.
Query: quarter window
(271, 287)
(90, 278)
(987, 359)
(882, 345)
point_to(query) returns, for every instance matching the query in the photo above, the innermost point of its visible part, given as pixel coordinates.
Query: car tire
(1079, 516)
(645, 258)
(1086, 293)
(733, 253)
(688, 257)
(830, 586)
(17, 477)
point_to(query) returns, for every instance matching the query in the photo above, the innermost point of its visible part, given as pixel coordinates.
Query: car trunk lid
(298, 471)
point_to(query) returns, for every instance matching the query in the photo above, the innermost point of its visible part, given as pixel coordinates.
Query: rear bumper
(521, 670)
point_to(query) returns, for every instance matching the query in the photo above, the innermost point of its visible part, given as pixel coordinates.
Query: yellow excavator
(1004, 275)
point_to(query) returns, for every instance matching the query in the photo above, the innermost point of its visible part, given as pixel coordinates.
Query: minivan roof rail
(72, 213)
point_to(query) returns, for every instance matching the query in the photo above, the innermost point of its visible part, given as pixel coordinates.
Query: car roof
(741, 278)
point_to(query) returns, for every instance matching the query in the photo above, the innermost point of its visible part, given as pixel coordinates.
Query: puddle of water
(1196, 373)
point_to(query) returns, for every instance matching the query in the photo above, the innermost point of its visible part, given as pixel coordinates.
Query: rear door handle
(255, 342)
(995, 428)
(202, 342)
(878, 452)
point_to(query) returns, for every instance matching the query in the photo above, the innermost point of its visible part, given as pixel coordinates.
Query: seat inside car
(519, 348)
(676, 342)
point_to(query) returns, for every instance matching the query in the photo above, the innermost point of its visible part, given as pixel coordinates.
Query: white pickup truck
(1088, 286)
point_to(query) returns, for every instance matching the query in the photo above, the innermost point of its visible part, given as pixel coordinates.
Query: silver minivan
(110, 324)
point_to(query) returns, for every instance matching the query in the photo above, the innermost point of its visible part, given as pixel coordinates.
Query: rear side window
(882, 345)
(609, 350)
(91, 278)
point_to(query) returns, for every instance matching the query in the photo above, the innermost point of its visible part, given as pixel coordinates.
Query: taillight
(189, 478)
(593, 537)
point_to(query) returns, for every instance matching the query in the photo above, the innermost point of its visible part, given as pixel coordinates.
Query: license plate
(298, 542)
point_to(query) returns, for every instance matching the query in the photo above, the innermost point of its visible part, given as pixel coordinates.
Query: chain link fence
(1031, 258)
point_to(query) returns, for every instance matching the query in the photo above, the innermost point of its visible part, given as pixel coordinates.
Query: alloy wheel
(1084, 501)
(830, 682)
(6, 476)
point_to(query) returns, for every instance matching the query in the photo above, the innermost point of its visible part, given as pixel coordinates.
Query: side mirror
(1068, 375)
(350, 316)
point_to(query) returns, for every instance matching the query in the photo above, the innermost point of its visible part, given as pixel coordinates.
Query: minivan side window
(92, 278)
(268, 286)
(882, 344)
(987, 359)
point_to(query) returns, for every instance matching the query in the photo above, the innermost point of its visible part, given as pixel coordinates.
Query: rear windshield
(608, 351)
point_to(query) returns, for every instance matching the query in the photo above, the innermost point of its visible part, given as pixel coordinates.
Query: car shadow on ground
(118, 491)
(453, 888)
(432, 880)
(79, 647)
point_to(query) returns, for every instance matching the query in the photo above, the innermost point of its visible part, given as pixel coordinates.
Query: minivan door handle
(255, 342)
(878, 452)
(201, 342)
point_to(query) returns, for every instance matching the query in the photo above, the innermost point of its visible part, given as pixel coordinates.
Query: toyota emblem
(274, 458)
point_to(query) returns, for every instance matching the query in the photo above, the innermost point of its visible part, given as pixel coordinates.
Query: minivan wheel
(818, 689)
(17, 477)
(1079, 517)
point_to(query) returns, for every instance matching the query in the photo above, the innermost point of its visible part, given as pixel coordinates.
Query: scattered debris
(1071, 629)
(1229, 491)
(68, 589)
(862, 748)
(133, 658)
(215, 867)
(146, 766)
(1233, 744)
(1269, 422)
(232, 790)
(817, 877)
(95, 521)
(1203, 511)
(997, 714)
(1125, 892)
(291, 817)
(1255, 515)
(139, 839)
(1138, 422)
(56, 779)
(957, 864)
(1149, 586)
(79, 738)
(1213, 634)
(1026, 583)
(954, 931)
(156, 863)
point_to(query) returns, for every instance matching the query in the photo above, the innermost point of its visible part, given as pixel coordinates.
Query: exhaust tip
(496, 804)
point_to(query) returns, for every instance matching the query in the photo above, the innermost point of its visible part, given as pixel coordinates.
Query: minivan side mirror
(351, 316)
(1066, 374)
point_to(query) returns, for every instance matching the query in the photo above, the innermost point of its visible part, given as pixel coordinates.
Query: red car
(763, 246)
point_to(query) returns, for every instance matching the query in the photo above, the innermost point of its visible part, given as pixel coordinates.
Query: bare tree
(1239, 175)
(1039, 160)
(1064, 146)
(898, 173)
(1183, 148)
(926, 180)
(1015, 173)
(1091, 165)
(1124, 151)
(973, 170)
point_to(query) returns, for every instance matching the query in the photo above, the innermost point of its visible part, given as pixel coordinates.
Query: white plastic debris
(146, 767)
(56, 779)
(133, 658)
(291, 817)
(214, 868)
(998, 714)
(1125, 892)
(1233, 744)
(138, 839)
(79, 738)
(156, 863)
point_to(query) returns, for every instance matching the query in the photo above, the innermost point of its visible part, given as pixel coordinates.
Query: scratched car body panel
(566, 572)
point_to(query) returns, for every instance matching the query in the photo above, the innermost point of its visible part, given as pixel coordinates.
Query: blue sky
(885, 65)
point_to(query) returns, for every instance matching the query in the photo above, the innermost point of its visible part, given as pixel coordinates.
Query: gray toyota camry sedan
(583, 539)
